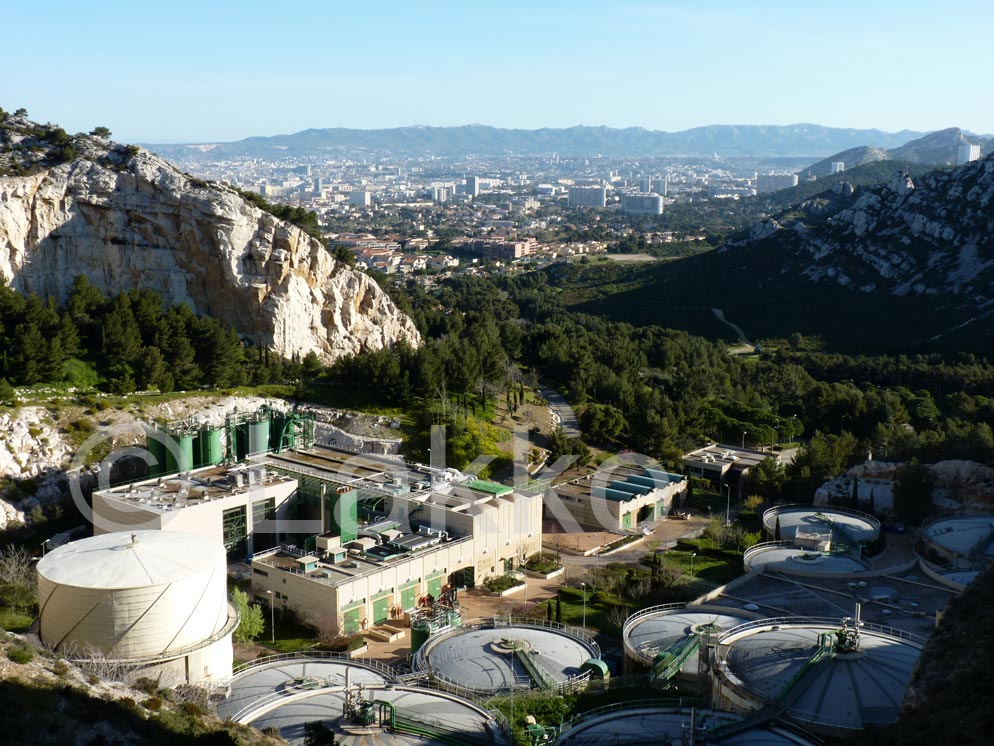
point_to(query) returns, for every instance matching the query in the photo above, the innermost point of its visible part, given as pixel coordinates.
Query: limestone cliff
(125, 218)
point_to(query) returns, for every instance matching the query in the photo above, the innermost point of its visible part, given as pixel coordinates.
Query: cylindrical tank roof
(138, 596)
(130, 560)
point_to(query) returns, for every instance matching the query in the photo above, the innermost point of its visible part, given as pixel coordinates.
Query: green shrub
(146, 685)
(500, 583)
(542, 562)
(60, 668)
(20, 655)
(153, 703)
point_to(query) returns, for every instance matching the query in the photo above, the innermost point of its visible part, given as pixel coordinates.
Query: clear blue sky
(214, 70)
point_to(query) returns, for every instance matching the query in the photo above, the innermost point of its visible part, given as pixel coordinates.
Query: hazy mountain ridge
(72, 205)
(733, 140)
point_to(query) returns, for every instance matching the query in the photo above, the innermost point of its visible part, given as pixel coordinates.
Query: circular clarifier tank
(799, 665)
(961, 537)
(654, 724)
(484, 659)
(787, 558)
(287, 694)
(842, 525)
(659, 629)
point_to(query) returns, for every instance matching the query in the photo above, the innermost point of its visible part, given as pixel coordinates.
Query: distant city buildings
(642, 204)
(472, 186)
(967, 152)
(587, 196)
(838, 167)
(360, 198)
(766, 183)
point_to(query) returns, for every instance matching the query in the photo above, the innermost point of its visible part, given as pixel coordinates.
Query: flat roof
(189, 489)
(730, 456)
(491, 488)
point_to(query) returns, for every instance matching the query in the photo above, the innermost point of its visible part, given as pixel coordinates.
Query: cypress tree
(559, 610)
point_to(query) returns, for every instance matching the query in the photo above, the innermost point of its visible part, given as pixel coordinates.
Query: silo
(258, 435)
(158, 459)
(154, 599)
(210, 449)
(184, 442)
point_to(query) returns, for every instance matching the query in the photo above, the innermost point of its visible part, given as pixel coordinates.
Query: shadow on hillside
(64, 715)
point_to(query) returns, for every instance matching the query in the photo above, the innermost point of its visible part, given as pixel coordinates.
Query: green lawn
(291, 634)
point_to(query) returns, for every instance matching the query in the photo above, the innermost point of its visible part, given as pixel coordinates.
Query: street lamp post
(44, 544)
(692, 555)
(744, 438)
(272, 618)
(728, 503)
(583, 590)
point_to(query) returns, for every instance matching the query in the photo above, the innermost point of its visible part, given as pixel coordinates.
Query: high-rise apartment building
(587, 196)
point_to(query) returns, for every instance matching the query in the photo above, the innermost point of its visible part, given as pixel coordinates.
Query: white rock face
(31, 447)
(138, 222)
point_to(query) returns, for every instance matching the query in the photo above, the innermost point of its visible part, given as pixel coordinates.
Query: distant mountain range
(794, 140)
(936, 148)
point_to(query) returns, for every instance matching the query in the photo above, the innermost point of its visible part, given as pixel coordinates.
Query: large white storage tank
(153, 598)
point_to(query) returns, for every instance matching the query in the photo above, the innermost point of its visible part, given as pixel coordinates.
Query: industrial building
(724, 464)
(154, 602)
(619, 499)
(388, 540)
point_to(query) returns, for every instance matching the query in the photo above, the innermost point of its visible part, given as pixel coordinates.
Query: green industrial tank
(454, 618)
(421, 630)
(258, 435)
(209, 447)
(184, 442)
(157, 457)
(283, 432)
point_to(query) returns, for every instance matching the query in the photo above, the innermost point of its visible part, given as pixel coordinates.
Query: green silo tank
(258, 436)
(211, 446)
(156, 452)
(184, 441)
(420, 632)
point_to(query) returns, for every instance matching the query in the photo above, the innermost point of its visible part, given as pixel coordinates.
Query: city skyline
(222, 72)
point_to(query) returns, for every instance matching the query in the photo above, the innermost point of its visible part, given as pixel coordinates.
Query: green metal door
(350, 621)
(381, 609)
(435, 586)
(626, 520)
(408, 597)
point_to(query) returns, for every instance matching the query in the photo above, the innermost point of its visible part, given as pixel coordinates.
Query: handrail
(680, 702)
(678, 653)
(633, 618)
(813, 621)
(794, 507)
(315, 655)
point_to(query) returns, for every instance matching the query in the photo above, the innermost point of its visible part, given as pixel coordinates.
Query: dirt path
(720, 315)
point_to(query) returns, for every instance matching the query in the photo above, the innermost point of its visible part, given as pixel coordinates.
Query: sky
(213, 70)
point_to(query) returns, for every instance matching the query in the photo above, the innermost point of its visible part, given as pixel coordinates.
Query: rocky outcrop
(125, 219)
(931, 238)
